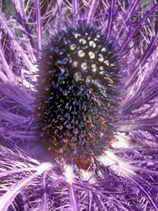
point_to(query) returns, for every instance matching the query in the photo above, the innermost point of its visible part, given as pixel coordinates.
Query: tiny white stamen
(65, 41)
(103, 49)
(112, 65)
(94, 67)
(92, 44)
(75, 64)
(106, 62)
(101, 72)
(81, 53)
(101, 58)
(84, 66)
(82, 41)
(89, 38)
(91, 55)
(76, 35)
(72, 47)
(101, 68)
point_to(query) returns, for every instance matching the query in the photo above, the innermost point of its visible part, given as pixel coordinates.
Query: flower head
(78, 106)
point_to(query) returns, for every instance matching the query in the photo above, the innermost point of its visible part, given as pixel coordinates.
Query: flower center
(77, 94)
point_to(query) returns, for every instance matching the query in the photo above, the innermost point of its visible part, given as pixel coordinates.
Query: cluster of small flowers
(125, 176)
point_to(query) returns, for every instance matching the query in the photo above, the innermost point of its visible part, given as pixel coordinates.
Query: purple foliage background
(125, 177)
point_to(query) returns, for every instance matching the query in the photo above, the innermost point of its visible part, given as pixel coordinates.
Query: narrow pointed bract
(78, 106)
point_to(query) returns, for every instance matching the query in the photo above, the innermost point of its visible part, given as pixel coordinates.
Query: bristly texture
(77, 97)
(123, 175)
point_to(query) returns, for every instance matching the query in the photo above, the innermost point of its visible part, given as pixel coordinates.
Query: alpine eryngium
(78, 106)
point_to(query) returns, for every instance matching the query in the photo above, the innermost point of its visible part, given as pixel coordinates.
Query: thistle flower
(78, 106)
